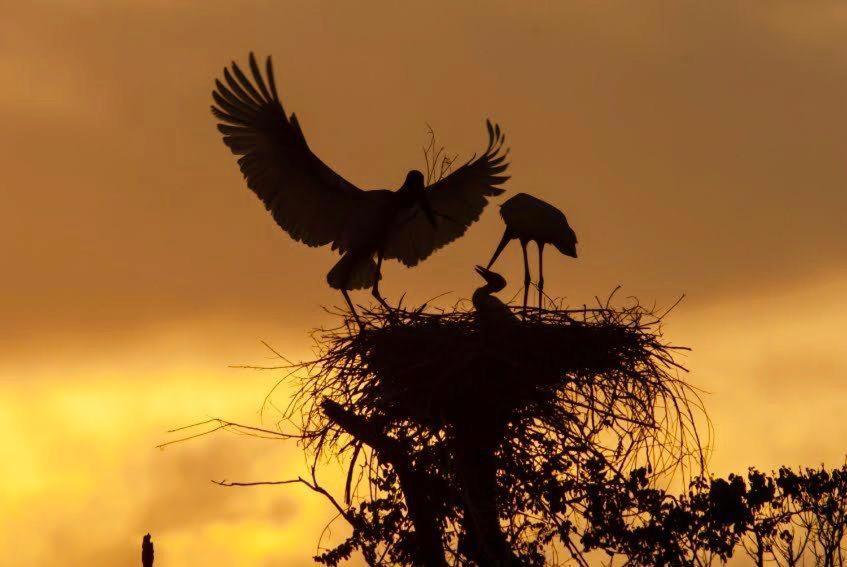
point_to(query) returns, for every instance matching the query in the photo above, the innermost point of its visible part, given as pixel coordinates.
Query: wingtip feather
(490, 129)
(269, 70)
(245, 82)
(257, 77)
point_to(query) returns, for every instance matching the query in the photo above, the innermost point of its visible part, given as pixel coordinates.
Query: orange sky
(696, 148)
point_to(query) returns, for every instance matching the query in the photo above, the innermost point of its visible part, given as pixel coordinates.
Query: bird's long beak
(427, 209)
(494, 280)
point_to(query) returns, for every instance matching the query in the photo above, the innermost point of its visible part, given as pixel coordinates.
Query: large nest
(448, 424)
(598, 376)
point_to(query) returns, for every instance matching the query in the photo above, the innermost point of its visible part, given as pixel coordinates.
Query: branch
(313, 486)
(224, 424)
(257, 483)
(413, 484)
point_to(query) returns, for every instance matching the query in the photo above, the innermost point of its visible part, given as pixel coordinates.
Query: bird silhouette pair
(317, 206)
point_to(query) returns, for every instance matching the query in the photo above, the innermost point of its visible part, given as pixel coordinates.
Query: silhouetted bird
(477, 431)
(317, 206)
(528, 219)
(492, 310)
(147, 552)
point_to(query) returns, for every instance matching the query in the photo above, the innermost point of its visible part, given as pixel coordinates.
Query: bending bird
(318, 207)
(529, 219)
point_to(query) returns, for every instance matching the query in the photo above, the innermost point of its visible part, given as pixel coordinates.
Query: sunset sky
(697, 148)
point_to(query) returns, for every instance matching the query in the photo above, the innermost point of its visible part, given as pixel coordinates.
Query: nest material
(449, 418)
(435, 366)
(571, 374)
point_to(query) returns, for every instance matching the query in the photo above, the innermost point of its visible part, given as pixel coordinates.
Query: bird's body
(366, 232)
(370, 222)
(533, 220)
(491, 310)
(318, 207)
(529, 219)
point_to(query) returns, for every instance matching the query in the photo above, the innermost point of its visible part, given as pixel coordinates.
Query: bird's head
(568, 249)
(414, 182)
(414, 187)
(495, 281)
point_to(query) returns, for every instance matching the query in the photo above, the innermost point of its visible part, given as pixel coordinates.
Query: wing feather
(457, 201)
(309, 200)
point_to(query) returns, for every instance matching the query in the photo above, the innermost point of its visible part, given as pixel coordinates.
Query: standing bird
(491, 309)
(147, 552)
(317, 206)
(528, 219)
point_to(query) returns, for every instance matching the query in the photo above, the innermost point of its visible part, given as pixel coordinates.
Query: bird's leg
(352, 309)
(375, 290)
(526, 277)
(503, 242)
(540, 277)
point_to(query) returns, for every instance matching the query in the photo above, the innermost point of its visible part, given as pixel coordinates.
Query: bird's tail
(352, 272)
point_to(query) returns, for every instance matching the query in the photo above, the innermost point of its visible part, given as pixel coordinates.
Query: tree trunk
(413, 484)
(476, 469)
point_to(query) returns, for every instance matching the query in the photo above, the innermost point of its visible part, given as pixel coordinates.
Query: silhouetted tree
(508, 452)
(563, 448)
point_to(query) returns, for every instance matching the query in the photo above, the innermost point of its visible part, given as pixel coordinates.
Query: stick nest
(598, 377)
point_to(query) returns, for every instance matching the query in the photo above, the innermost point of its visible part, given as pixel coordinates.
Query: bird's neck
(480, 294)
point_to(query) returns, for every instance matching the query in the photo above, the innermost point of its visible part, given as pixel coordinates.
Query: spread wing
(306, 197)
(457, 201)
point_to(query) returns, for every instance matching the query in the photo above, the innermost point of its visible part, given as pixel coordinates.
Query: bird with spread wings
(318, 207)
